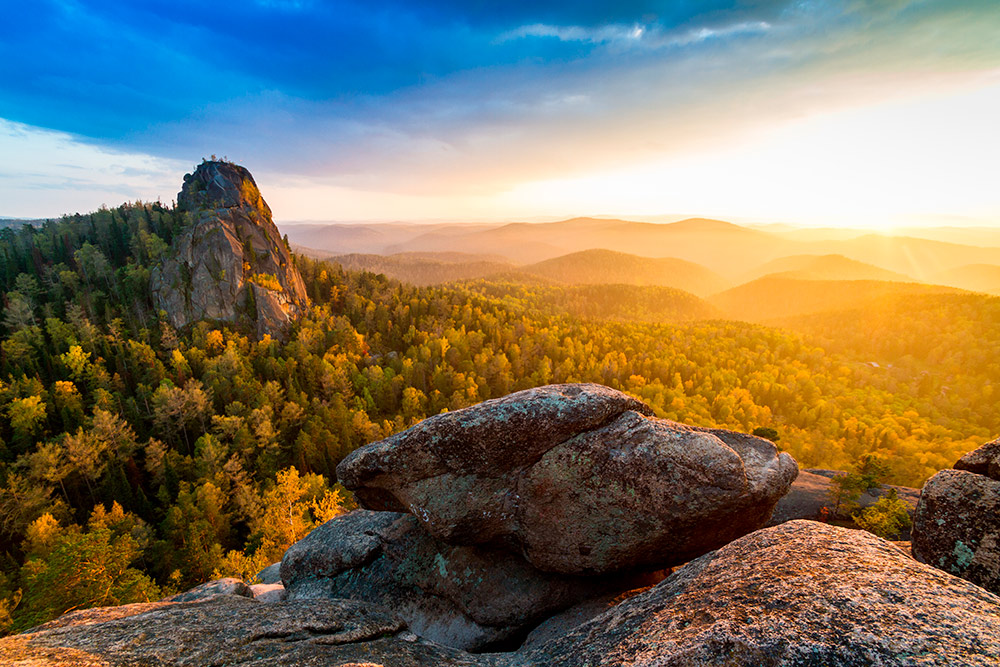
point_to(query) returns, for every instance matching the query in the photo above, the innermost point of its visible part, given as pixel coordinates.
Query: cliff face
(230, 262)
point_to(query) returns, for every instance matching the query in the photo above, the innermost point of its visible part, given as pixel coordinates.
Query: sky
(807, 112)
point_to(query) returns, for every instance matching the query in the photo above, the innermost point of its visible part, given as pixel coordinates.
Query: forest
(137, 460)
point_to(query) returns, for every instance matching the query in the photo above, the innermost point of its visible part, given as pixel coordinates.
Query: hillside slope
(973, 277)
(775, 297)
(825, 267)
(591, 267)
(425, 268)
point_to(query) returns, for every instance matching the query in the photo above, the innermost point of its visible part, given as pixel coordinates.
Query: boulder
(578, 478)
(270, 574)
(802, 593)
(461, 596)
(957, 526)
(230, 630)
(228, 586)
(229, 262)
(982, 461)
(268, 592)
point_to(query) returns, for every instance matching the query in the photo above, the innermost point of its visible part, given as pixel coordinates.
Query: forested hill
(137, 458)
(609, 267)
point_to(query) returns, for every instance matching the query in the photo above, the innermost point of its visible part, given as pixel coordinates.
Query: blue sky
(473, 110)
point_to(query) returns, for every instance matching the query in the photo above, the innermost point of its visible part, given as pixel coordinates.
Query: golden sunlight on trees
(224, 445)
(287, 512)
(71, 568)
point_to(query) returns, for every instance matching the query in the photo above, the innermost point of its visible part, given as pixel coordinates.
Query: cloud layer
(465, 99)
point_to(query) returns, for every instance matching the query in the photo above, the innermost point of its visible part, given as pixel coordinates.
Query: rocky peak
(229, 263)
(218, 184)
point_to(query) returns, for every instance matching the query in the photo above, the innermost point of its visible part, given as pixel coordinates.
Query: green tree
(71, 569)
(26, 415)
(888, 517)
(767, 432)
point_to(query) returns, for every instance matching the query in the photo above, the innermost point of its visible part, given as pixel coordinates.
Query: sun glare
(877, 166)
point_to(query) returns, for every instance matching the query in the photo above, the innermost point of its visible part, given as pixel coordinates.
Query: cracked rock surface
(461, 596)
(799, 594)
(802, 594)
(230, 630)
(578, 478)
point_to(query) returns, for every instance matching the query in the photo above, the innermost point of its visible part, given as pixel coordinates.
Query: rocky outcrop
(229, 263)
(957, 526)
(230, 630)
(569, 619)
(460, 596)
(270, 574)
(577, 478)
(802, 593)
(268, 592)
(982, 461)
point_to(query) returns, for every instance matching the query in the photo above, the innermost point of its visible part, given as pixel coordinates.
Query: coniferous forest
(137, 460)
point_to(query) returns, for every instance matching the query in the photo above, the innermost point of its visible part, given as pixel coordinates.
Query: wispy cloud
(575, 33)
(649, 36)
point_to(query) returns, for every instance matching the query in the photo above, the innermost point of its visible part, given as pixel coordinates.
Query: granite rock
(957, 526)
(802, 593)
(229, 262)
(578, 478)
(461, 596)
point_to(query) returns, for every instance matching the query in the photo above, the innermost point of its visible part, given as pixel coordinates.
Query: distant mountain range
(973, 277)
(729, 250)
(591, 267)
(824, 267)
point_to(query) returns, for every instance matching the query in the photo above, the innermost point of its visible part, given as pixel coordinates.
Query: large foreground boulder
(578, 478)
(230, 630)
(802, 593)
(957, 526)
(799, 594)
(461, 596)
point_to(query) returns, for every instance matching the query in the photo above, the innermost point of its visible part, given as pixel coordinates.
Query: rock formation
(581, 480)
(228, 586)
(229, 261)
(957, 523)
(577, 478)
(460, 596)
(802, 593)
(983, 461)
(230, 630)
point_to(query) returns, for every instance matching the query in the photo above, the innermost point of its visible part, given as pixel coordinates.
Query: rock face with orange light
(229, 263)
(957, 523)
(802, 593)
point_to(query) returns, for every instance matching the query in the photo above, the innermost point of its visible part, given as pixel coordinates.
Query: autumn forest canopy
(138, 459)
